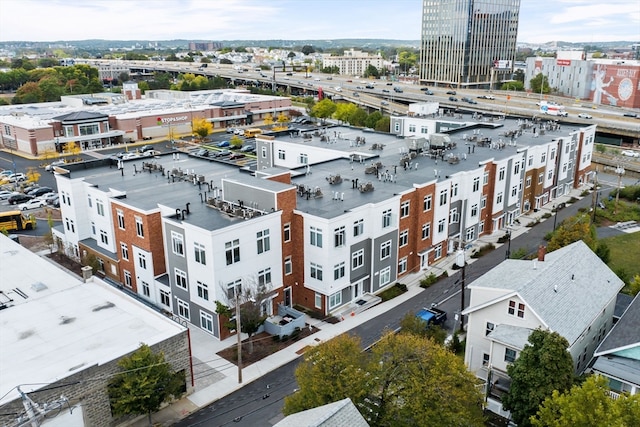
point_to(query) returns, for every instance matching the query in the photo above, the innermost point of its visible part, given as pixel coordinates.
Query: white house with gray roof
(569, 291)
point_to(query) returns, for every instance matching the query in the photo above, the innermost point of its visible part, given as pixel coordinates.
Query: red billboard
(563, 62)
(616, 85)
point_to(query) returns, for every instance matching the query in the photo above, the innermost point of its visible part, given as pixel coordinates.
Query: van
(251, 133)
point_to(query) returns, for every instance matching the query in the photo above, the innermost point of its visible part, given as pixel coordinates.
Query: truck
(552, 109)
(433, 316)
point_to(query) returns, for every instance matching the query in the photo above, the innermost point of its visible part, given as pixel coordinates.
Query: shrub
(520, 253)
(534, 223)
(483, 250)
(428, 280)
(546, 215)
(504, 238)
(584, 193)
(572, 200)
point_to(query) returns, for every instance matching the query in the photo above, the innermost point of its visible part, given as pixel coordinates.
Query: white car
(630, 153)
(53, 164)
(4, 195)
(585, 116)
(338, 89)
(32, 204)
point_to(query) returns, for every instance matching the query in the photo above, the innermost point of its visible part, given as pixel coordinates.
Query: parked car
(630, 153)
(451, 92)
(29, 188)
(31, 204)
(40, 191)
(238, 131)
(203, 152)
(237, 155)
(223, 153)
(18, 198)
(53, 164)
(17, 177)
(585, 116)
(146, 148)
(222, 144)
(248, 149)
(50, 198)
(6, 172)
(4, 194)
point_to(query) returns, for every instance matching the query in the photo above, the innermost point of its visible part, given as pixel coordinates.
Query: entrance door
(287, 296)
(424, 260)
(356, 290)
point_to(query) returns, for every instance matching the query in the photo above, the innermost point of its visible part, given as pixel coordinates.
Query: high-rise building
(468, 42)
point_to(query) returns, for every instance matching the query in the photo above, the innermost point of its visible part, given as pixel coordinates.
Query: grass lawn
(625, 253)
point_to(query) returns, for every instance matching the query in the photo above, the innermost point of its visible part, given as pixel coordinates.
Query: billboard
(502, 64)
(616, 85)
(563, 62)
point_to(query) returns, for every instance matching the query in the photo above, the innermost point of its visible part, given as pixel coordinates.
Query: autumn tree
(571, 230)
(201, 127)
(345, 111)
(544, 365)
(145, 382)
(33, 176)
(235, 141)
(323, 109)
(588, 405)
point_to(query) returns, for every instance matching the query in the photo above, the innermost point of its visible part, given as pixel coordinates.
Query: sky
(218, 20)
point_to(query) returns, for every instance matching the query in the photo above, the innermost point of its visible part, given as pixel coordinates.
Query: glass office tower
(468, 43)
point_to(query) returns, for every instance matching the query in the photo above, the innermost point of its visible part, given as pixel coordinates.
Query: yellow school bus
(251, 133)
(16, 221)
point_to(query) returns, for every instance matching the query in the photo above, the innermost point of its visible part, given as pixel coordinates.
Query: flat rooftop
(54, 325)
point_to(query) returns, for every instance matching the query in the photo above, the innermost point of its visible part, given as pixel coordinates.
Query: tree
(383, 124)
(635, 285)
(344, 112)
(372, 119)
(308, 49)
(201, 127)
(588, 405)
(412, 324)
(571, 230)
(323, 109)
(371, 71)
(145, 382)
(404, 380)
(540, 81)
(544, 365)
(513, 85)
(603, 252)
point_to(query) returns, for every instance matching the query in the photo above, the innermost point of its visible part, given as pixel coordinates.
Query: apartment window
(234, 288)
(206, 321)
(264, 277)
(426, 203)
(499, 198)
(315, 236)
(443, 197)
(453, 216)
(402, 265)
(470, 234)
(100, 207)
(516, 309)
(412, 128)
(530, 161)
(541, 178)
(543, 158)
(385, 250)
(426, 230)
(183, 309)
(339, 237)
(476, 184)
(438, 252)
(403, 239)
(128, 282)
(103, 237)
(232, 251)
(509, 355)
(485, 359)
(528, 182)
(501, 174)
(281, 154)
(71, 226)
(338, 271)
(474, 210)
(200, 254)
(93, 228)
(514, 190)
(262, 240)
(177, 243)
(357, 259)
(318, 300)
(335, 299)
(553, 153)
(165, 298)
(316, 271)
(304, 158)
(203, 290)
(385, 276)
(441, 225)
(516, 168)
(358, 227)
(145, 289)
(483, 203)
(124, 251)
(139, 227)
(404, 209)
(288, 266)
(386, 218)
(454, 190)
(286, 231)
(489, 328)
(89, 200)
(181, 279)
(120, 215)
(485, 178)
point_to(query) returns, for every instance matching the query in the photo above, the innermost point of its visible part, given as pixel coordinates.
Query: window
(443, 197)
(200, 254)
(385, 276)
(485, 178)
(485, 359)
(441, 225)
(142, 261)
(233, 288)
(232, 251)
(262, 240)
(426, 230)
(516, 168)
(139, 227)
(476, 184)
(438, 252)
(530, 160)
(357, 259)
(528, 182)
(89, 200)
(203, 290)
(470, 234)
(318, 300)
(316, 271)
(288, 266)
(483, 203)
(127, 279)
(454, 190)
(281, 154)
(335, 299)
(474, 210)
(540, 178)
(165, 298)
(404, 209)
(93, 228)
(100, 207)
(489, 328)
(453, 216)
(315, 235)
(385, 250)
(183, 309)
(426, 203)
(358, 227)
(264, 277)
(338, 271)
(402, 265)
(177, 243)
(145, 289)
(120, 215)
(516, 309)
(543, 158)
(181, 279)
(386, 218)
(514, 190)
(304, 158)
(501, 174)
(286, 231)
(412, 128)
(509, 355)
(263, 151)
(206, 321)
(553, 153)
(403, 240)
(124, 251)
(499, 198)
(103, 237)
(339, 237)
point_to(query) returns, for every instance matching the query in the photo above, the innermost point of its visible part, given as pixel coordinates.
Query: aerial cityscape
(320, 213)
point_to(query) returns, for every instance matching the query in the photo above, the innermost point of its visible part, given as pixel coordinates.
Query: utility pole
(461, 262)
(32, 409)
(595, 196)
(238, 329)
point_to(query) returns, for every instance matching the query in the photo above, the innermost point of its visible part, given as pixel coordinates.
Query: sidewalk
(216, 377)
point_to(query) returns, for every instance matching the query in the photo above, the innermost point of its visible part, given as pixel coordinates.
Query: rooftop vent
(38, 286)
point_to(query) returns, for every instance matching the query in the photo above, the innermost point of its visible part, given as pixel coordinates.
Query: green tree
(513, 85)
(540, 81)
(372, 119)
(345, 111)
(383, 124)
(603, 252)
(588, 405)
(28, 93)
(544, 365)
(145, 382)
(412, 324)
(323, 109)
(308, 49)
(371, 71)
(571, 230)
(359, 117)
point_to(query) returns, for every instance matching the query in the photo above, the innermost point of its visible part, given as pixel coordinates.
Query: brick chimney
(542, 251)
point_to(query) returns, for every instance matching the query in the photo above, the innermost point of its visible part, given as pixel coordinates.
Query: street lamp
(619, 171)
(555, 217)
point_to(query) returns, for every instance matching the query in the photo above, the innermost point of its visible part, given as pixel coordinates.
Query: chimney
(542, 251)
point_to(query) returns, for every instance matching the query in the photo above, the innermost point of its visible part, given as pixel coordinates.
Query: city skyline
(587, 21)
